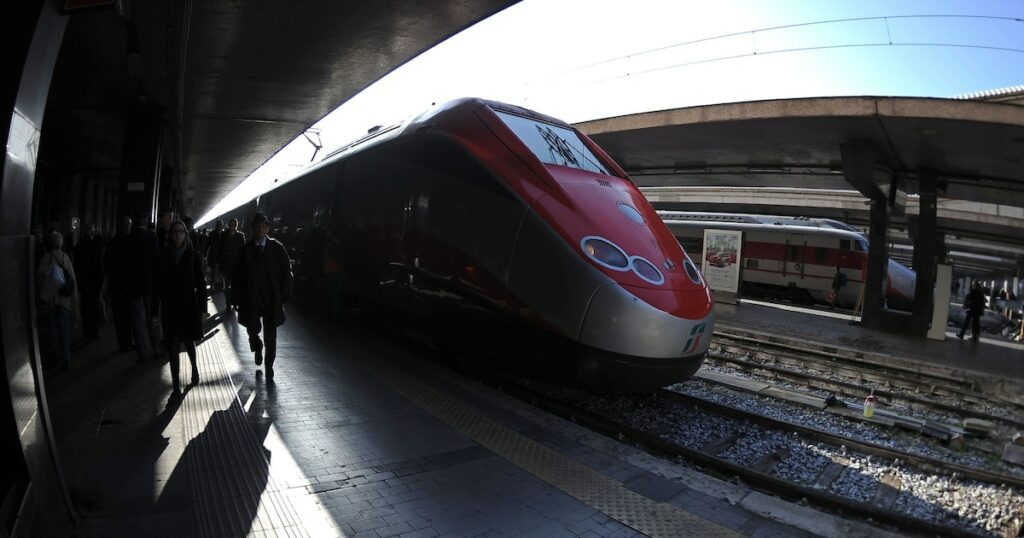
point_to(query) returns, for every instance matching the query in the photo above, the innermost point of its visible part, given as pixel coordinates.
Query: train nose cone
(621, 322)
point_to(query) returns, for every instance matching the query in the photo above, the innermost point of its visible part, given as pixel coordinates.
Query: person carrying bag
(55, 282)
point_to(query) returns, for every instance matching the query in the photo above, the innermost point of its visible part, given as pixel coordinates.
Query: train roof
(750, 221)
(380, 134)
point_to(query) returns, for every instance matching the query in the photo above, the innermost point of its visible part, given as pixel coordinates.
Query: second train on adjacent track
(795, 258)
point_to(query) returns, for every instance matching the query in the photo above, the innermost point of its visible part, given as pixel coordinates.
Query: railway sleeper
(831, 472)
(768, 463)
(717, 446)
(889, 487)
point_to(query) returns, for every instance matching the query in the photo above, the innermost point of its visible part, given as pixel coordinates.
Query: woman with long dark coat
(182, 290)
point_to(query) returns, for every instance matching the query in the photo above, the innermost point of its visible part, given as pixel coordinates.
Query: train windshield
(553, 144)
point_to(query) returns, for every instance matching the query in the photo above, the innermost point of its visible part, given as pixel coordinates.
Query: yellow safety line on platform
(591, 487)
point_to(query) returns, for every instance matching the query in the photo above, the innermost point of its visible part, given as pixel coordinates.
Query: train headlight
(605, 252)
(647, 271)
(691, 271)
(610, 255)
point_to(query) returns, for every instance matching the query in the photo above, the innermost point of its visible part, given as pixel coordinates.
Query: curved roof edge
(865, 106)
(995, 94)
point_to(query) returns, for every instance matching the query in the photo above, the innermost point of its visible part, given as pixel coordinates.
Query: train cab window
(844, 244)
(860, 245)
(553, 144)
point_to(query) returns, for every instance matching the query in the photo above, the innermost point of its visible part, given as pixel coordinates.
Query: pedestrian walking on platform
(181, 287)
(213, 255)
(838, 281)
(115, 263)
(262, 284)
(57, 291)
(231, 242)
(143, 251)
(975, 306)
(89, 272)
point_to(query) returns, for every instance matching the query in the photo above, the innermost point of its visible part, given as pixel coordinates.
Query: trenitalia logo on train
(694, 341)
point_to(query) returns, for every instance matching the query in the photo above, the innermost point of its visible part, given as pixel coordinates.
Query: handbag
(69, 284)
(52, 282)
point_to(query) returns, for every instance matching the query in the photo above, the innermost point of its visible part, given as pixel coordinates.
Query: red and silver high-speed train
(795, 257)
(501, 228)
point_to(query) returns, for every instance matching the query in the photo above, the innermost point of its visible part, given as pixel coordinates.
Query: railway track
(903, 483)
(893, 385)
(798, 462)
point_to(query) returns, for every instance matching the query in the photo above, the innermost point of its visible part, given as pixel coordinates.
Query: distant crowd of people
(154, 279)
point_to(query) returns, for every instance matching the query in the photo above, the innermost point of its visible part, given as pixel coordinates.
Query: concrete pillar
(925, 254)
(940, 314)
(863, 170)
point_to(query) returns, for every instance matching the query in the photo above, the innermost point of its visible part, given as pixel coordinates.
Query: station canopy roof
(236, 81)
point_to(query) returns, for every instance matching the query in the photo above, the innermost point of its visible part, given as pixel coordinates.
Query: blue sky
(579, 60)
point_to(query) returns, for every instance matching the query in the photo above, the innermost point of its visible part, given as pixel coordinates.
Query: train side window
(844, 244)
(820, 255)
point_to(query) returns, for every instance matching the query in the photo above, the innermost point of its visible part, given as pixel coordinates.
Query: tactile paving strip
(591, 487)
(233, 491)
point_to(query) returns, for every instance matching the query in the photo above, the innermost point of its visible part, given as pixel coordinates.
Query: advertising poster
(721, 259)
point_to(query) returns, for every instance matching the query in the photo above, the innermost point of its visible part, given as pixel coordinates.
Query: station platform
(360, 436)
(991, 356)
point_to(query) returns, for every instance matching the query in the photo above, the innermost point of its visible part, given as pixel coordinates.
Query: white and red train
(499, 228)
(794, 257)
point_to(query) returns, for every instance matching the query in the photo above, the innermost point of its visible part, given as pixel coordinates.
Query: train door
(793, 258)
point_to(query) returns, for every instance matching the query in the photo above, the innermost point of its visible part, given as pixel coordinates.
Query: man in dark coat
(140, 272)
(975, 305)
(211, 252)
(231, 242)
(263, 283)
(115, 263)
(89, 270)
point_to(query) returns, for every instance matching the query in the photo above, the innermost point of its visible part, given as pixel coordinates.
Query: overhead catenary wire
(795, 25)
(754, 50)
